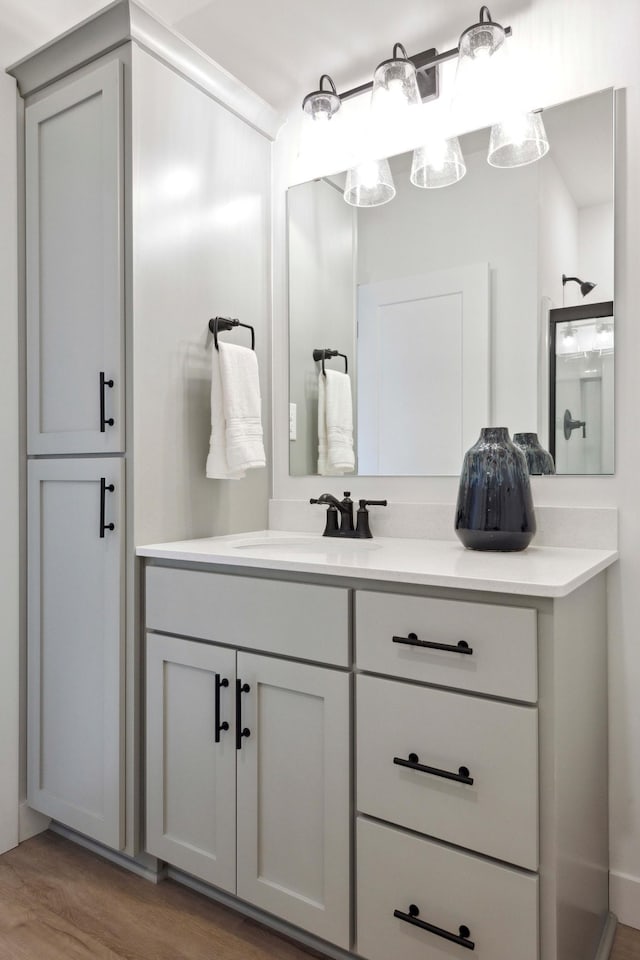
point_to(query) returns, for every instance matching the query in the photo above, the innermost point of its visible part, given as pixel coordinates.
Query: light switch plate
(293, 421)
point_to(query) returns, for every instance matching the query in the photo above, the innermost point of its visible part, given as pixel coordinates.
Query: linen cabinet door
(191, 758)
(75, 644)
(293, 793)
(73, 170)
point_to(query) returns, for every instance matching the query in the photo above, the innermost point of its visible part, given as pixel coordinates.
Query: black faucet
(344, 510)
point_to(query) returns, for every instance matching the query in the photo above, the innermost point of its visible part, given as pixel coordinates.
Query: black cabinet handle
(104, 486)
(412, 641)
(220, 682)
(104, 422)
(462, 776)
(461, 938)
(240, 730)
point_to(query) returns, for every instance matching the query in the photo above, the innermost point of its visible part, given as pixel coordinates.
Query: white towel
(335, 424)
(236, 426)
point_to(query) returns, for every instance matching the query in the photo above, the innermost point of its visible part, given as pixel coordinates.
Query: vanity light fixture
(585, 285)
(405, 81)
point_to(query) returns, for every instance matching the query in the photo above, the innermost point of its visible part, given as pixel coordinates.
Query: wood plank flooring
(60, 902)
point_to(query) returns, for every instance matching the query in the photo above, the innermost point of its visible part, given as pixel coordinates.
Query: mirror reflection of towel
(236, 413)
(335, 424)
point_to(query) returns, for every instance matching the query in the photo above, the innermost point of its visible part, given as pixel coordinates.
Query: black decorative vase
(539, 460)
(495, 508)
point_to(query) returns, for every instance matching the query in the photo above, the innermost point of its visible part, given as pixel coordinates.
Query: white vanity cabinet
(248, 756)
(147, 179)
(481, 776)
(476, 815)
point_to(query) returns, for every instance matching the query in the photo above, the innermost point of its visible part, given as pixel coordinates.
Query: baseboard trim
(143, 866)
(624, 897)
(254, 913)
(30, 822)
(607, 938)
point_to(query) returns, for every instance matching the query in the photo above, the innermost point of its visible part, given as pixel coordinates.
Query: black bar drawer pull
(104, 421)
(104, 486)
(220, 682)
(412, 641)
(240, 730)
(461, 938)
(462, 776)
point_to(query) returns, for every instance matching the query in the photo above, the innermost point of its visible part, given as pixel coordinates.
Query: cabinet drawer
(503, 661)
(451, 889)
(298, 620)
(496, 742)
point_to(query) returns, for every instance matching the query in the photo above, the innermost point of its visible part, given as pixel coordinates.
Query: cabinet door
(294, 807)
(75, 644)
(73, 170)
(191, 789)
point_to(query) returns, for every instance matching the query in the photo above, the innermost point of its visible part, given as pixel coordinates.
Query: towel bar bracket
(219, 324)
(326, 354)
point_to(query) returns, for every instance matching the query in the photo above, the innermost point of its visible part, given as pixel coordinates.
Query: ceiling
(278, 48)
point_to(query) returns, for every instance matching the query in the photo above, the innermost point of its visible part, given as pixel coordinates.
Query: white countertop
(537, 571)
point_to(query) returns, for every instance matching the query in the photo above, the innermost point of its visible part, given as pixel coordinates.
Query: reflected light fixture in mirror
(569, 342)
(518, 140)
(603, 339)
(370, 184)
(438, 163)
(402, 83)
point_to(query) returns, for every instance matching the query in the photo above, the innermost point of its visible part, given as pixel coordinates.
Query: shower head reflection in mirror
(386, 287)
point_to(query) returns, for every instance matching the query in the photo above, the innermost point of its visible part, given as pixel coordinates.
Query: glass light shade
(321, 105)
(370, 184)
(438, 163)
(603, 339)
(568, 342)
(480, 41)
(395, 86)
(518, 140)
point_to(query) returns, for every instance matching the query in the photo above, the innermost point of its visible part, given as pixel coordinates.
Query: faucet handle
(363, 531)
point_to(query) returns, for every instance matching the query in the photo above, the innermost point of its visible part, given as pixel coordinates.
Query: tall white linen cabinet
(147, 197)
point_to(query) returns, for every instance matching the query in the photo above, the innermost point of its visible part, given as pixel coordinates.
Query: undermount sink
(317, 544)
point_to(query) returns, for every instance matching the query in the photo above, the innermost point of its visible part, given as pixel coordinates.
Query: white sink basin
(317, 545)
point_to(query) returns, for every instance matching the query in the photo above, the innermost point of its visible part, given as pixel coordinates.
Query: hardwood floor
(60, 902)
(626, 945)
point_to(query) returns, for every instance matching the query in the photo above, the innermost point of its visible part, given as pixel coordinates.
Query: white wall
(582, 51)
(558, 240)
(595, 253)
(9, 474)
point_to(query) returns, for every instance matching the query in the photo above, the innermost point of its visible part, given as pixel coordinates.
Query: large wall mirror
(439, 305)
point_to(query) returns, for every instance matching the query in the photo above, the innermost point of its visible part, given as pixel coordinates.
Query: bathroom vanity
(389, 748)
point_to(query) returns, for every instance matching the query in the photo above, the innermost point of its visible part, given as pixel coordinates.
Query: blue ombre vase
(495, 507)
